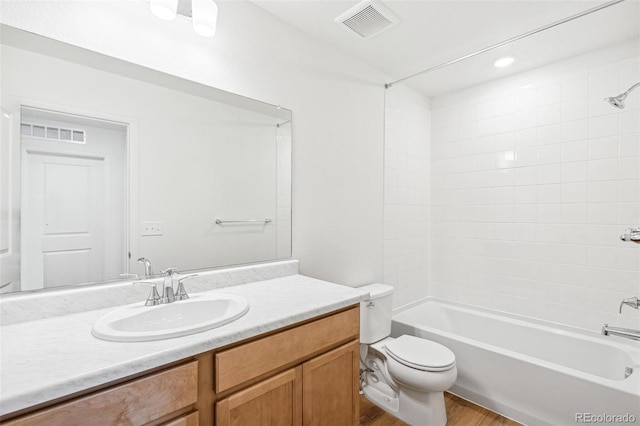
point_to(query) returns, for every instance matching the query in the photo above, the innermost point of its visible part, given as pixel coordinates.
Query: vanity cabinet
(321, 391)
(305, 374)
(320, 388)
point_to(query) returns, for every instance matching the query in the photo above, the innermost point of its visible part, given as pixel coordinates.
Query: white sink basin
(138, 323)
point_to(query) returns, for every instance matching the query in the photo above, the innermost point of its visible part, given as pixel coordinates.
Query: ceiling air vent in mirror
(367, 19)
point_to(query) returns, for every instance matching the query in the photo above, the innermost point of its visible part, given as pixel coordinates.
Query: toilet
(407, 375)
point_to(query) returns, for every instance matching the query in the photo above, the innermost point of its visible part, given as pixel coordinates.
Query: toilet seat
(420, 354)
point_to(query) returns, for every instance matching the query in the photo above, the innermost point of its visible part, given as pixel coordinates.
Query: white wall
(406, 194)
(534, 178)
(337, 107)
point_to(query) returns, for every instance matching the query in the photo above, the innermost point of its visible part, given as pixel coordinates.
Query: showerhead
(618, 101)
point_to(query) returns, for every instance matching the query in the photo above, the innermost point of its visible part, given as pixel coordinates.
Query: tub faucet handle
(631, 234)
(634, 302)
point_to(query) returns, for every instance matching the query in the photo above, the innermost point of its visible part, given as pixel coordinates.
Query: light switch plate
(151, 228)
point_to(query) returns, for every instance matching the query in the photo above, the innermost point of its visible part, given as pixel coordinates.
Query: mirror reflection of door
(73, 199)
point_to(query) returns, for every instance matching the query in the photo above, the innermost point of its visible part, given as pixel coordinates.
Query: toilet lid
(420, 354)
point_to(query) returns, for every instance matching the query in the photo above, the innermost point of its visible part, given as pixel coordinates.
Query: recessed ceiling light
(504, 62)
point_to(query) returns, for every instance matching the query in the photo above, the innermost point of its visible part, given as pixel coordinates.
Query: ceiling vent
(53, 133)
(367, 19)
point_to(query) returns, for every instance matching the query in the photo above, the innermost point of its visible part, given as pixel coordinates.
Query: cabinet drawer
(243, 363)
(133, 403)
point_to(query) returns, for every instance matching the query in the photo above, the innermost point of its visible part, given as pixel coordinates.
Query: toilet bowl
(405, 376)
(420, 364)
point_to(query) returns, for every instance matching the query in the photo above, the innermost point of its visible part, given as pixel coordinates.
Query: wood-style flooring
(459, 413)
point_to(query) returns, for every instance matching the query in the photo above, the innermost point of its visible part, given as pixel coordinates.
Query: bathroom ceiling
(432, 32)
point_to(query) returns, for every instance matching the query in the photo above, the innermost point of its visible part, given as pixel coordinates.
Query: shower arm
(630, 89)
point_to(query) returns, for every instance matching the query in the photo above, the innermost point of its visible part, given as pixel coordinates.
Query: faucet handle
(154, 297)
(181, 293)
(631, 234)
(634, 302)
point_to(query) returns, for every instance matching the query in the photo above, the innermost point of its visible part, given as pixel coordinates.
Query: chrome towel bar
(222, 222)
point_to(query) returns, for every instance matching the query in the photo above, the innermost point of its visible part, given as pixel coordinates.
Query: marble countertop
(50, 358)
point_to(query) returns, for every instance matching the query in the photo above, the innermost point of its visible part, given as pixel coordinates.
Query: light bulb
(164, 9)
(204, 15)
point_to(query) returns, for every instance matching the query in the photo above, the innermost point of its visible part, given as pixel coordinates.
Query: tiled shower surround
(533, 179)
(406, 195)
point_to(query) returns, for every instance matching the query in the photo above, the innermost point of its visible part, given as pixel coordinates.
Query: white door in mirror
(139, 323)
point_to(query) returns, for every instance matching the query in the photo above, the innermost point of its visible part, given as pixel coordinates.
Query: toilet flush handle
(370, 305)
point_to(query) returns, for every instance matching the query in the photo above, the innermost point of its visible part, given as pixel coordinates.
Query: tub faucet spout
(627, 333)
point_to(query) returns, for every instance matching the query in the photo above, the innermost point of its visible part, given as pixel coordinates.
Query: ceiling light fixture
(504, 62)
(204, 13)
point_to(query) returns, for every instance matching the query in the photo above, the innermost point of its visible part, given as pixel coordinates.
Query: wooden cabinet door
(330, 394)
(191, 419)
(276, 401)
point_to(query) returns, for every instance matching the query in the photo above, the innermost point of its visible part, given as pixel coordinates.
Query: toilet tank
(375, 313)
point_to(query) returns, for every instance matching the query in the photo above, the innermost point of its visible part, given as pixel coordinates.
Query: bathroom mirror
(103, 162)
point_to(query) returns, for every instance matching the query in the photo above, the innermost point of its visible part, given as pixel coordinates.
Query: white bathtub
(535, 372)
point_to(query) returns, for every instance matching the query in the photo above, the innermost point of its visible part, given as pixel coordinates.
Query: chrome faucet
(168, 294)
(634, 302)
(627, 333)
(148, 272)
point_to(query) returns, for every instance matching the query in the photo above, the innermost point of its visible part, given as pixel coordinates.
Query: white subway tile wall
(406, 195)
(533, 179)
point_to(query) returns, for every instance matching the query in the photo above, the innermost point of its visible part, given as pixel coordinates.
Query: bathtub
(535, 372)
